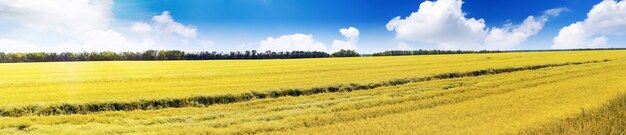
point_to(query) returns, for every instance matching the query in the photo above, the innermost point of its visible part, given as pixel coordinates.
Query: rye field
(563, 92)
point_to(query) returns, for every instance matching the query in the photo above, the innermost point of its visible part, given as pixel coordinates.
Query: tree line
(213, 55)
(434, 52)
(431, 52)
(346, 53)
(153, 55)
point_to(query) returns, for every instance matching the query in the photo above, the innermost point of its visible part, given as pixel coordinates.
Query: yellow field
(505, 103)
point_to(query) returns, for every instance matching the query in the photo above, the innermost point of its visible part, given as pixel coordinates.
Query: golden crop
(503, 103)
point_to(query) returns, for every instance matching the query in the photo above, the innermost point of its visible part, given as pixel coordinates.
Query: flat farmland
(501, 93)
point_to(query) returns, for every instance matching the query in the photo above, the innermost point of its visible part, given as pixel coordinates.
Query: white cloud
(102, 40)
(109, 40)
(9, 45)
(164, 30)
(608, 18)
(351, 33)
(165, 25)
(68, 22)
(141, 27)
(63, 16)
(510, 36)
(294, 42)
(554, 11)
(403, 46)
(443, 23)
(84, 25)
(352, 36)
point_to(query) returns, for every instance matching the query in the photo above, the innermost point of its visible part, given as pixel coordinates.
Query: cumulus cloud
(443, 23)
(164, 30)
(151, 35)
(109, 40)
(141, 27)
(49, 25)
(63, 16)
(165, 25)
(294, 42)
(352, 36)
(608, 18)
(84, 25)
(350, 33)
(510, 36)
(9, 45)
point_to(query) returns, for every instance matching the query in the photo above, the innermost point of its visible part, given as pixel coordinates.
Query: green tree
(149, 55)
(346, 53)
(35, 57)
(14, 57)
(108, 55)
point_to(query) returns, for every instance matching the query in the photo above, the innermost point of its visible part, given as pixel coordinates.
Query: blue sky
(226, 25)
